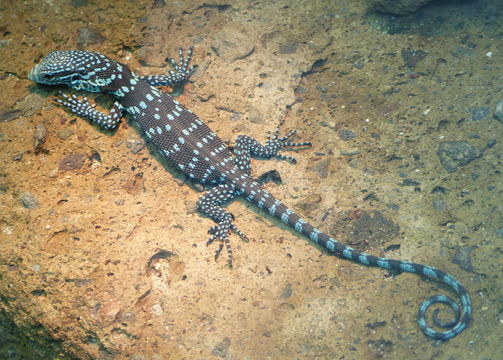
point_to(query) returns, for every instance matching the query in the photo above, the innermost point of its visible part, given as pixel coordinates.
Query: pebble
(439, 190)
(393, 206)
(287, 291)
(221, 348)
(462, 51)
(346, 134)
(88, 36)
(78, 3)
(498, 111)
(455, 154)
(321, 167)
(39, 136)
(463, 258)
(479, 113)
(409, 182)
(135, 144)
(28, 200)
(491, 143)
(230, 45)
(289, 48)
(30, 105)
(412, 57)
(10, 115)
(321, 88)
(74, 161)
(439, 204)
(65, 133)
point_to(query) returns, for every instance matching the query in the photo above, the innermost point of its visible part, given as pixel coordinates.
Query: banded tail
(257, 195)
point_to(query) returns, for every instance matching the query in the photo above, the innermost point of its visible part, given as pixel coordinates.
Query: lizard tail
(257, 195)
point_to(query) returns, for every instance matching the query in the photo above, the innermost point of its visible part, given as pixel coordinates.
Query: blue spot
(383, 264)
(430, 272)
(168, 127)
(181, 140)
(407, 267)
(143, 105)
(449, 280)
(330, 245)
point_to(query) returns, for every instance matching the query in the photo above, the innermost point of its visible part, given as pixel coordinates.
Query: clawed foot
(178, 76)
(76, 105)
(275, 143)
(182, 70)
(221, 232)
(84, 108)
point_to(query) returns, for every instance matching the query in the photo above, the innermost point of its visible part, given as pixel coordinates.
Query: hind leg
(246, 147)
(210, 205)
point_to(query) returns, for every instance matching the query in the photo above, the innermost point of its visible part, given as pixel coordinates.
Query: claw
(297, 144)
(287, 136)
(218, 251)
(240, 233)
(210, 240)
(286, 157)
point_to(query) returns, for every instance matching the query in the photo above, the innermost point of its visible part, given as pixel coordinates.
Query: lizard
(192, 147)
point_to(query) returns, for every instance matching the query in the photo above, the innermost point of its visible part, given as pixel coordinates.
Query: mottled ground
(102, 255)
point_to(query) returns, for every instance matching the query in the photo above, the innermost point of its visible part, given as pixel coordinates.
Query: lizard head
(80, 70)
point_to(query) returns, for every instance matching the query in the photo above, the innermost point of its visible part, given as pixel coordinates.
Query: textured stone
(498, 112)
(454, 154)
(88, 36)
(73, 161)
(479, 113)
(28, 200)
(397, 7)
(231, 44)
(39, 136)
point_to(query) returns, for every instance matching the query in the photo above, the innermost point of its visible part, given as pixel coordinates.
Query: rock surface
(112, 263)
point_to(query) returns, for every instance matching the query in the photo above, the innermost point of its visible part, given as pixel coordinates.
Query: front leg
(85, 109)
(210, 205)
(181, 73)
